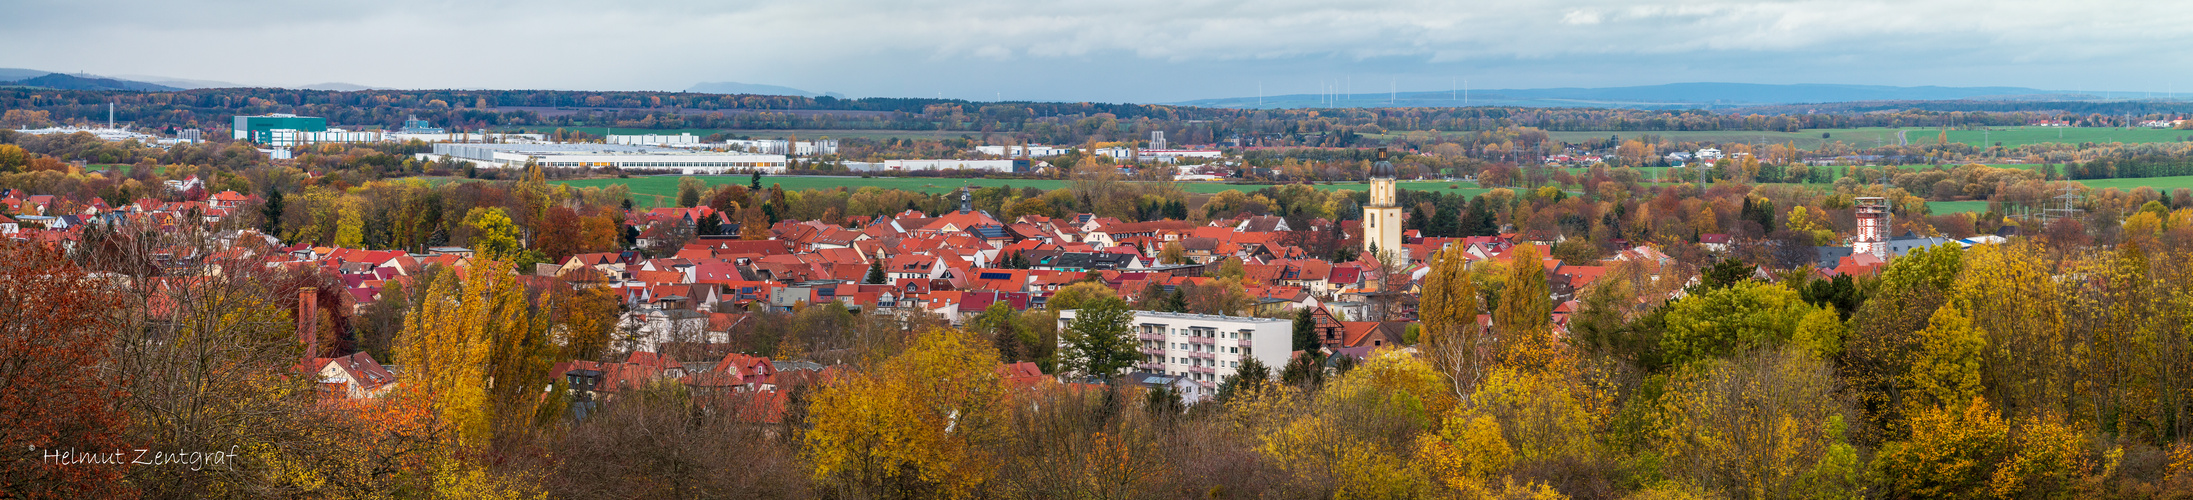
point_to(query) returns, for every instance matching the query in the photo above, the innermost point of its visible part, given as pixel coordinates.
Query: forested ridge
(1048, 122)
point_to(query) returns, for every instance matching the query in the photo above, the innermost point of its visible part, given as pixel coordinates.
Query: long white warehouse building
(611, 155)
(990, 165)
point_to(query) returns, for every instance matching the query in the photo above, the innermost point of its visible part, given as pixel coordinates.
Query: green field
(644, 189)
(2164, 184)
(2011, 137)
(1950, 207)
(1805, 139)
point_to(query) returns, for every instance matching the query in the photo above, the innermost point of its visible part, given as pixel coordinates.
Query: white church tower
(1382, 218)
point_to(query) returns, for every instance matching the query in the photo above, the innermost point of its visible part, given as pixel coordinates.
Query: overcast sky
(1110, 50)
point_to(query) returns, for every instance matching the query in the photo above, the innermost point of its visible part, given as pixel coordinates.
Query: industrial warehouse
(629, 158)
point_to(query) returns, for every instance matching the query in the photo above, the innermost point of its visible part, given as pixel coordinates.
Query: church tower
(1382, 217)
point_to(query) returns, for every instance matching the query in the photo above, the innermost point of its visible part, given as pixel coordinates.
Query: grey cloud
(1117, 50)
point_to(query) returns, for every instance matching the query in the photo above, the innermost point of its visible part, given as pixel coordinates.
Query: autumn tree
(689, 191)
(1225, 296)
(1970, 451)
(477, 357)
(1448, 310)
(1173, 253)
(52, 395)
(1079, 295)
(663, 441)
(219, 361)
(1730, 320)
(753, 224)
(1946, 369)
(1877, 355)
(560, 236)
(1763, 424)
(1357, 437)
(1523, 315)
(494, 236)
(13, 158)
(350, 223)
(918, 424)
(600, 233)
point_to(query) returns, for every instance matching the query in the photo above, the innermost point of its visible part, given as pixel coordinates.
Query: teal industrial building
(260, 129)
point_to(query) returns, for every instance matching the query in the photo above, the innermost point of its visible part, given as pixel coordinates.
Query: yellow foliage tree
(1548, 415)
(1969, 451)
(350, 223)
(1466, 454)
(917, 424)
(2012, 296)
(1946, 368)
(1821, 332)
(494, 236)
(1812, 223)
(464, 333)
(1448, 309)
(1523, 319)
(1755, 426)
(1361, 430)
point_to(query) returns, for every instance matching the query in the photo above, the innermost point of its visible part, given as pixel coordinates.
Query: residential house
(355, 376)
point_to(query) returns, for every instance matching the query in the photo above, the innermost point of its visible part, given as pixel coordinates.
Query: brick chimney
(308, 319)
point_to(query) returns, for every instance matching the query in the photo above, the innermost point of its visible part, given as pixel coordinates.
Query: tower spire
(1382, 219)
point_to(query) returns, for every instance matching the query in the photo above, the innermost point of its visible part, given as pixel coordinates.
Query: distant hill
(1669, 96)
(1756, 93)
(72, 82)
(747, 88)
(338, 86)
(13, 74)
(182, 83)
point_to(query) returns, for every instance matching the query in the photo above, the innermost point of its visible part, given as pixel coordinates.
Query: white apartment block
(1205, 348)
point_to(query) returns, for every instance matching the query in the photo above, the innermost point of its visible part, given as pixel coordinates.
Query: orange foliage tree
(52, 343)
